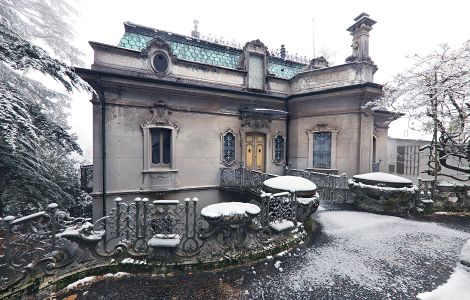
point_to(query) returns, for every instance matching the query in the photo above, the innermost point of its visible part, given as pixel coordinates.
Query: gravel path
(355, 255)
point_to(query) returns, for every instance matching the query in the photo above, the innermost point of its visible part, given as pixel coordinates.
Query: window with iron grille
(278, 149)
(228, 148)
(322, 150)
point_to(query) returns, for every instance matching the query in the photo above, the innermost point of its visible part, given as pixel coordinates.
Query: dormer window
(254, 61)
(160, 62)
(256, 72)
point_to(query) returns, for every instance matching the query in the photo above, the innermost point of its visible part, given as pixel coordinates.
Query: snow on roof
(229, 209)
(383, 177)
(290, 183)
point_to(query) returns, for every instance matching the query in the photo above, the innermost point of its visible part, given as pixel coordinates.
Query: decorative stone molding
(158, 47)
(317, 63)
(322, 127)
(159, 177)
(161, 116)
(254, 120)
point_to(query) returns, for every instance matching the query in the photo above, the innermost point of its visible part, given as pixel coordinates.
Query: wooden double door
(255, 151)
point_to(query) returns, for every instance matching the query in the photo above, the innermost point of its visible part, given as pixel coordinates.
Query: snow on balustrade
(281, 225)
(162, 240)
(384, 178)
(307, 201)
(229, 209)
(84, 232)
(290, 183)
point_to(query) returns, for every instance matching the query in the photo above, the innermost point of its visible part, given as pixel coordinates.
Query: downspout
(103, 142)
(287, 136)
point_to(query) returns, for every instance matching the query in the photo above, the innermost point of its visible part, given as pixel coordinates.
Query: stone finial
(360, 43)
(283, 52)
(317, 63)
(195, 34)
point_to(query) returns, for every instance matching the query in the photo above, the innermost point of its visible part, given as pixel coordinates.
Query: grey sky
(403, 28)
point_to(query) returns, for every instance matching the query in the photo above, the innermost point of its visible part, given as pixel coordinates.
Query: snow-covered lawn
(367, 256)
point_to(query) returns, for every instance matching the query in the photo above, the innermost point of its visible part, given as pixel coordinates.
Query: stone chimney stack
(195, 34)
(360, 43)
(283, 52)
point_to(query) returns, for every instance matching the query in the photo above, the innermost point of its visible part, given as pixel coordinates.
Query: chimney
(195, 34)
(283, 52)
(360, 43)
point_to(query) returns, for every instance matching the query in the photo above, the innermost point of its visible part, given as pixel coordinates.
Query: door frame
(255, 136)
(268, 145)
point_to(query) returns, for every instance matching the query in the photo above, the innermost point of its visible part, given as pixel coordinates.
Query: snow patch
(465, 254)
(90, 279)
(412, 189)
(456, 288)
(131, 261)
(290, 183)
(229, 209)
(281, 225)
(307, 201)
(365, 249)
(383, 177)
(161, 240)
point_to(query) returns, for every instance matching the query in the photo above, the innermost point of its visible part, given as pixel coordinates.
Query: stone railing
(143, 233)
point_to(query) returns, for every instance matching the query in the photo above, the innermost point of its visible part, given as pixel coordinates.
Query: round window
(160, 62)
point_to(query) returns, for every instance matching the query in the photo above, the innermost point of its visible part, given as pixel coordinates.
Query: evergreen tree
(35, 142)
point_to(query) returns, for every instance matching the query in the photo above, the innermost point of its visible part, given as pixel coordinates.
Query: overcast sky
(403, 28)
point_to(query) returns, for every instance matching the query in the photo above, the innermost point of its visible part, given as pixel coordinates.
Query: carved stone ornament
(256, 44)
(254, 120)
(157, 44)
(360, 43)
(161, 116)
(317, 63)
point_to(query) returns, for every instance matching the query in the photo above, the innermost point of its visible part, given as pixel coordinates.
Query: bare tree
(435, 94)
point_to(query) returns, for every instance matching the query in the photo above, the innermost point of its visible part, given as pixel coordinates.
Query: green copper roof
(137, 37)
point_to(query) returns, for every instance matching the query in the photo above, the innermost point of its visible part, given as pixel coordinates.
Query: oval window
(160, 62)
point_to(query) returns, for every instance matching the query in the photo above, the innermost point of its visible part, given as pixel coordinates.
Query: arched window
(228, 148)
(279, 145)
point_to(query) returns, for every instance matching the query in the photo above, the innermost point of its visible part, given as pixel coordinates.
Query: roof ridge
(141, 29)
(153, 32)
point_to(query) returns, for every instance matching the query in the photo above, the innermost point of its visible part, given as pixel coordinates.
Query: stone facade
(221, 106)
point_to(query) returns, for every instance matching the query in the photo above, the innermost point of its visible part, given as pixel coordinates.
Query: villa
(172, 110)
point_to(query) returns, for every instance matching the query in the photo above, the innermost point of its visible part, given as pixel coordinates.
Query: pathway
(356, 255)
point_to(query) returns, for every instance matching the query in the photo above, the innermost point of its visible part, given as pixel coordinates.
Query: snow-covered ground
(367, 256)
(355, 255)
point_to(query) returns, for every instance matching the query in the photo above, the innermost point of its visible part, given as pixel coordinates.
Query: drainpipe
(103, 142)
(287, 135)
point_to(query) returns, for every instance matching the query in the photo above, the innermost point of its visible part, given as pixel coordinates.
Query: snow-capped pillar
(360, 43)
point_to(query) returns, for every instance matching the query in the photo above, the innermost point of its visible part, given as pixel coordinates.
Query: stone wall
(452, 198)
